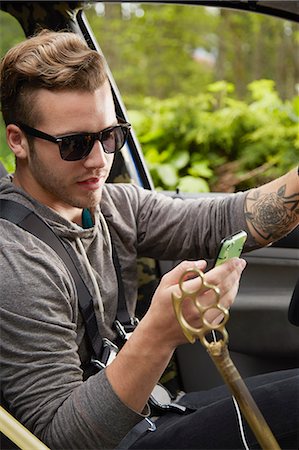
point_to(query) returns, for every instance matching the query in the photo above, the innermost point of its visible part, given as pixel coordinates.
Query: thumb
(172, 277)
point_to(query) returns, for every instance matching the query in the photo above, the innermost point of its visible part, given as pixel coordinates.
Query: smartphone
(230, 247)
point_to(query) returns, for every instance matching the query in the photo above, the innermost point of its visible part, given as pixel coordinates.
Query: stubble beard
(54, 186)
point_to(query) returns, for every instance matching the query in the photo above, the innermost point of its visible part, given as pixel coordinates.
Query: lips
(90, 183)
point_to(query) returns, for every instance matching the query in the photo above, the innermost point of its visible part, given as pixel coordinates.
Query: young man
(61, 126)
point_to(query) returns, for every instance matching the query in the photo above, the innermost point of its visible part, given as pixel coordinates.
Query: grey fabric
(42, 335)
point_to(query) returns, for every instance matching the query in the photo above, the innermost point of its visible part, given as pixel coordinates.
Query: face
(68, 186)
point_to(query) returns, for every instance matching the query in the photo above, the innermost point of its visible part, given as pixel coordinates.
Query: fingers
(173, 277)
(230, 280)
(220, 273)
(161, 312)
(225, 277)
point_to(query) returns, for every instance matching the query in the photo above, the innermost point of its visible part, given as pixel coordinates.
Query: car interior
(263, 325)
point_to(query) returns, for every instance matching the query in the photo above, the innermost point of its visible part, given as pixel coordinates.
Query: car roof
(57, 15)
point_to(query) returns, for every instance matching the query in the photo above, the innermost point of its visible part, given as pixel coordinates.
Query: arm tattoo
(272, 214)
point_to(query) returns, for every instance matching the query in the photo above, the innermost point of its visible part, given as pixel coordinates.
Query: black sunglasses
(74, 147)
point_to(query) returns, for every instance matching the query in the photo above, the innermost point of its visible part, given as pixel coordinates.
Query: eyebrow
(118, 121)
(70, 133)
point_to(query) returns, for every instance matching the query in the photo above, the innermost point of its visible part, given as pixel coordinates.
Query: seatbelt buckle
(109, 353)
(161, 402)
(125, 331)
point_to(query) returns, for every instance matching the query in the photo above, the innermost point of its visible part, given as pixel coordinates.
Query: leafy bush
(213, 141)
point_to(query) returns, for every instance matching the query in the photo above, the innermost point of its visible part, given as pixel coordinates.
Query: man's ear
(17, 141)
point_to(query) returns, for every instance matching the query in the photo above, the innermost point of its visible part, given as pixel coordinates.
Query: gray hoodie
(42, 332)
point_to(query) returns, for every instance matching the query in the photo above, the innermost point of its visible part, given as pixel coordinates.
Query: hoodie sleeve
(41, 374)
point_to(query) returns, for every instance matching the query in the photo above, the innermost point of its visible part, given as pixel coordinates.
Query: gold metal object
(18, 434)
(218, 351)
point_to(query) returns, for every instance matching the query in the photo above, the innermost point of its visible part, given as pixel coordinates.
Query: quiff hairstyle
(49, 60)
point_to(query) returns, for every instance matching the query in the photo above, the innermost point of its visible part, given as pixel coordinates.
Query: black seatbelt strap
(25, 218)
(104, 350)
(122, 312)
(125, 324)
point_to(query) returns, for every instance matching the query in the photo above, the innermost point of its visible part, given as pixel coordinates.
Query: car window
(11, 34)
(212, 93)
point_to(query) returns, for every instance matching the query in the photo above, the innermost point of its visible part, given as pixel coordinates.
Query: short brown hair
(49, 60)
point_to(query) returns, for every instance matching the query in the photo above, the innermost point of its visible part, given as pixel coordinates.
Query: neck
(68, 212)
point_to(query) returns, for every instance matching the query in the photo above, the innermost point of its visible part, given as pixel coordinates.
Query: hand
(142, 360)
(226, 277)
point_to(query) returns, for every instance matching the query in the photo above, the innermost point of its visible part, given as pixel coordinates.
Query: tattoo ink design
(272, 214)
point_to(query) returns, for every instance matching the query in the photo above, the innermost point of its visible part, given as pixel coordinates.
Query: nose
(97, 157)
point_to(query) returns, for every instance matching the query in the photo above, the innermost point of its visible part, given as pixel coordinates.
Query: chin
(89, 201)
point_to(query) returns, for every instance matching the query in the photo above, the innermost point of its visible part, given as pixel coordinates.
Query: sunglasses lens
(114, 139)
(74, 148)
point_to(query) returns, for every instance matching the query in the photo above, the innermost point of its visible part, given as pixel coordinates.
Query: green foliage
(205, 133)
(196, 143)
(11, 34)
(215, 134)
(153, 52)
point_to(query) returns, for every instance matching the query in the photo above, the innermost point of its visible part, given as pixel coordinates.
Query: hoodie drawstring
(92, 277)
(107, 240)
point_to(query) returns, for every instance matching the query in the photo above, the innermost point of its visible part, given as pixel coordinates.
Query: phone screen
(231, 247)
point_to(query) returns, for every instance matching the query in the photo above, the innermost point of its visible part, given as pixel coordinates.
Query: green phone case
(231, 247)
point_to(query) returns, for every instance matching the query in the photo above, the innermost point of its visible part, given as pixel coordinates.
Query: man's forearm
(272, 210)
